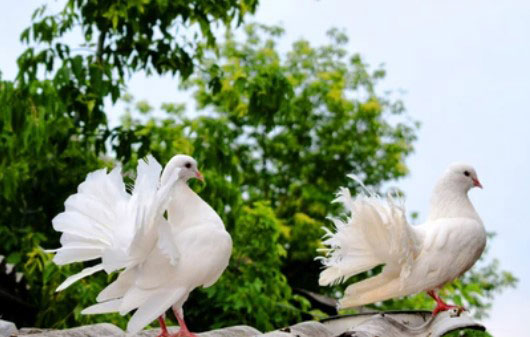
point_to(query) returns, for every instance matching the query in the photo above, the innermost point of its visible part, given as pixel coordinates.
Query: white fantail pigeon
(161, 260)
(416, 258)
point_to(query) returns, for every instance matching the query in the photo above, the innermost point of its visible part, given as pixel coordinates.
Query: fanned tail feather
(103, 308)
(76, 277)
(154, 307)
(88, 219)
(330, 276)
(379, 288)
(102, 218)
(375, 232)
(118, 288)
(152, 206)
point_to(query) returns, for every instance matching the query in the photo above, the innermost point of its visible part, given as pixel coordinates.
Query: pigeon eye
(187, 165)
(466, 173)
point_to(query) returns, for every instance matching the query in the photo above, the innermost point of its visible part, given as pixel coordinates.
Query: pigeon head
(461, 176)
(186, 166)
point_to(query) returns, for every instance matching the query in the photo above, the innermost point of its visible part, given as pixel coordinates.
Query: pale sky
(464, 67)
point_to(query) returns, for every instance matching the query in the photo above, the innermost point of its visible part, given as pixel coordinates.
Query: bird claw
(442, 306)
(458, 310)
(177, 334)
(445, 307)
(165, 334)
(185, 334)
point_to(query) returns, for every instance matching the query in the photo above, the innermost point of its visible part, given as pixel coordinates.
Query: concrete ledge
(110, 330)
(387, 324)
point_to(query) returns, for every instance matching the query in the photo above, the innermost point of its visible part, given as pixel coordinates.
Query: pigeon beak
(476, 182)
(199, 175)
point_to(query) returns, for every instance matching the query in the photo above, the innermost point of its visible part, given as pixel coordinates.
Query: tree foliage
(276, 137)
(307, 120)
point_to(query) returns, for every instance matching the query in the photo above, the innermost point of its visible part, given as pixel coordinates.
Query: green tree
(308, 118)
(54, 128)
(279, 134)
(43, 159)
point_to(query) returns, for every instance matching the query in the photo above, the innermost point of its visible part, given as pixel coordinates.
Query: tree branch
(101, 45)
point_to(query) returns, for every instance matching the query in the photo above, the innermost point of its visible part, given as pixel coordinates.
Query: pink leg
(441, 305)
(183, 332)
(163, 327)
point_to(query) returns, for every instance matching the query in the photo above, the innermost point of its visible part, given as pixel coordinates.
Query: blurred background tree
(276, 135)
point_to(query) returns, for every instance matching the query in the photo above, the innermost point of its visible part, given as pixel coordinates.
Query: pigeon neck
(451, 202)
(188, 209)
(182, 185)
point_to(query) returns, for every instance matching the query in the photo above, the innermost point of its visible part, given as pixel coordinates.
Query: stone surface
(233, 331)
(30, 331)
(305, 329)
(7, 328)
(389, 324)
(109, 330)
(102, 330)
(401, 324)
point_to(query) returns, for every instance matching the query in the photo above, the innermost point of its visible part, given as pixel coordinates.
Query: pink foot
(163, 328)
(441, 305)
(183, 332)
(444, 307)
(164, 334)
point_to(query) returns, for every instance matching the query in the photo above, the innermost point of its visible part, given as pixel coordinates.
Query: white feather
(76, 277)
(102, 308)
(101, 220)
(153, 308)
(119, 287)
